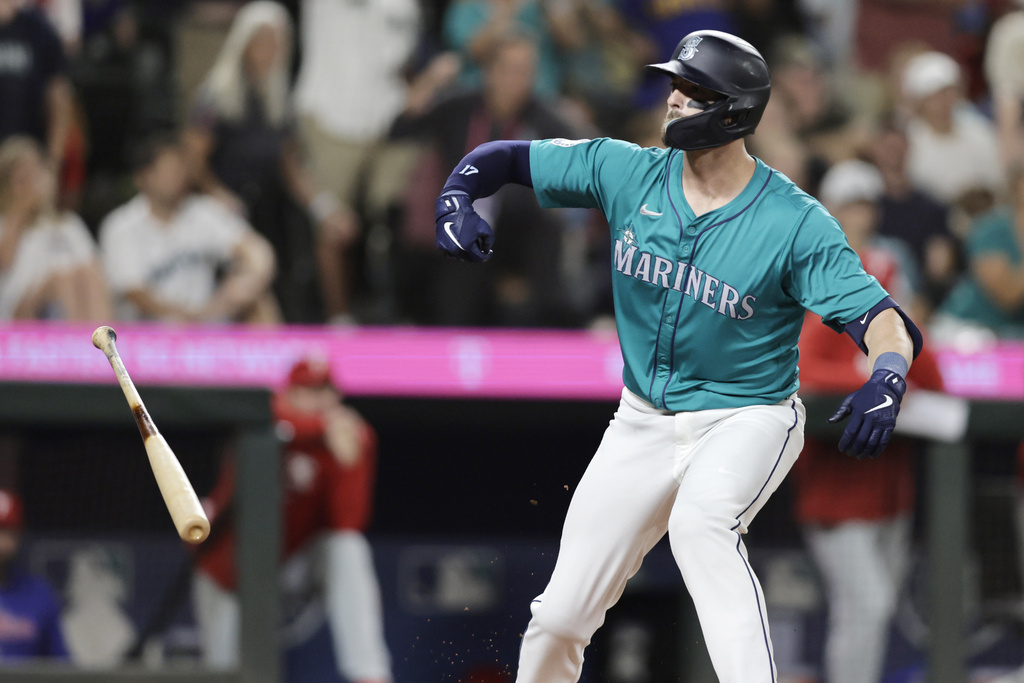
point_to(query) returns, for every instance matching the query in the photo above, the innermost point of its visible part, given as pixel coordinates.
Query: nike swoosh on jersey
(644, 211)
(884, 404)
(865, 318)
(448, 229)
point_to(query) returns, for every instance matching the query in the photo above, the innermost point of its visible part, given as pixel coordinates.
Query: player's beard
(670, 115)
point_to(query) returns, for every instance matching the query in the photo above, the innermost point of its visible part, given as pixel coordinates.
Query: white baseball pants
(862, 565)
(351, 600)
(700, 476)
(217, 616)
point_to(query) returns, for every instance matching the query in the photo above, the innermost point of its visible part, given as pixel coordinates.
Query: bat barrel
(186, 510)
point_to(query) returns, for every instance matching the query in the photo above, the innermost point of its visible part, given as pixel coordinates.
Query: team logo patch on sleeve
(562, 142)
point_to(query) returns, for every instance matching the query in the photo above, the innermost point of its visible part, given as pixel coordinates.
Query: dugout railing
(246, 412)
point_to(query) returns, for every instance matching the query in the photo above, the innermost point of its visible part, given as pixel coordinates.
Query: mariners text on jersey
(710, 307)
(713, 293)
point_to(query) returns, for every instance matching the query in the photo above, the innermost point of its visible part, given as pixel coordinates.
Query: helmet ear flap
(734, 119)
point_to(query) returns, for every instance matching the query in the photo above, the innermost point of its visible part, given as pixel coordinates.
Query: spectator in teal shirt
(474, 28)
(991, 293)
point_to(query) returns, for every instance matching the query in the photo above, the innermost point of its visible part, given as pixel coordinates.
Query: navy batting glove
(872, 410)
(460, 230)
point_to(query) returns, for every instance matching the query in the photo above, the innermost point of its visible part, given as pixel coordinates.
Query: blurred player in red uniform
(329, 468)
(856, 514)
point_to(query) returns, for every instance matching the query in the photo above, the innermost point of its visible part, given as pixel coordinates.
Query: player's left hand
(872, 410)
(460, 230)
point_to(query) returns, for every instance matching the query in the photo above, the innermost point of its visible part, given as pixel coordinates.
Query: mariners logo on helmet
(689, 49)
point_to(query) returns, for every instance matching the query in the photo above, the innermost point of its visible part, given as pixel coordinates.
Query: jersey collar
(753, 187)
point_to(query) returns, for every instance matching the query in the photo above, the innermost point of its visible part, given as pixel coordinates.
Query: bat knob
(197, 533)
(103, 334)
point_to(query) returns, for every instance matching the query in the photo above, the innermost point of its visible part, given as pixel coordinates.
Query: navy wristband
(893, 362)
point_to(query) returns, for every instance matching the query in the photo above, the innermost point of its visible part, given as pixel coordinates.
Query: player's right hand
(461, 233)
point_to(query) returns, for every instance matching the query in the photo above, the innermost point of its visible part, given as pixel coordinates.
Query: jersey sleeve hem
(543, 199)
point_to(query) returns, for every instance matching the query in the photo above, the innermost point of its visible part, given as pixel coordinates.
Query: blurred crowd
(277, 162)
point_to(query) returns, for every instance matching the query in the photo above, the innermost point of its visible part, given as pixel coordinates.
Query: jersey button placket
(687, 241)
(663, 349)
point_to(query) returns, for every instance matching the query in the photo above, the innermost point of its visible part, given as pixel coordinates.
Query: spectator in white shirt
(1004, 57)
(176, 256)
(351, 86)
(49, 265)
(953, 151)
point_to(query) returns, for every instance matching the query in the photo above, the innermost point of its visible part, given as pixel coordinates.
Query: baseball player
(329, 467)
(715, 257)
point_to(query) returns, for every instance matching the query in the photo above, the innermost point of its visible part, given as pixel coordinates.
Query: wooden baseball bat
(186, 511)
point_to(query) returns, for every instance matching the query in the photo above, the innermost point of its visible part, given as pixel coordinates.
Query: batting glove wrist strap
(872, 410)
(460, 231)
(451, 202)
(890, 360)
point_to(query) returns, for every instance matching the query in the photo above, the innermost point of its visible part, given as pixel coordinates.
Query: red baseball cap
(312, 371)
(10, 510)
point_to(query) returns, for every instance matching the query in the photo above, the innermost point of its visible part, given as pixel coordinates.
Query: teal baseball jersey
(708, 308)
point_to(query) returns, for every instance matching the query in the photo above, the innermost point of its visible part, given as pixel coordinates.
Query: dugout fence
(420, 412)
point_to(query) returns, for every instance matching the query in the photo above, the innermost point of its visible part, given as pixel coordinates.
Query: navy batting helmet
(726, 65)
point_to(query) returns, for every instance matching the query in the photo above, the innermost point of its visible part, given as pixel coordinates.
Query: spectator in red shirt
(856, 514)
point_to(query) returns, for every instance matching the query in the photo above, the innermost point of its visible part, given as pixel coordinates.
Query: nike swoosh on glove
(872, 410)
(461, 232)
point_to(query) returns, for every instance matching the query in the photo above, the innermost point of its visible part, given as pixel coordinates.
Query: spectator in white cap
(953, 152)
(1004, 55)
(851, 191)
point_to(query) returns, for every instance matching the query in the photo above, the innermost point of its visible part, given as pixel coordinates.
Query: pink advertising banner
(393, 361)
